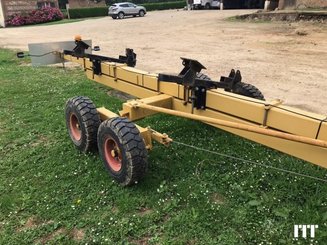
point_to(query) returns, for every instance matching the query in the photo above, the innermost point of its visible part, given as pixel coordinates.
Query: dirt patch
(33, 223)
(166, 218)
(114, 210)
(192, 242)
(217, 198)
(52, 235)
(1, 226)
(42, 139)
(77, 234)
(144, 211)
(141, 241)
(120, 95)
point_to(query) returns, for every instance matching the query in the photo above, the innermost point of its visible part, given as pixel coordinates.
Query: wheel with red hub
(122, 150)
(82, 121)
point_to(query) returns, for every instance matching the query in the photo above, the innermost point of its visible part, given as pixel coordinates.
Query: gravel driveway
(285, 60)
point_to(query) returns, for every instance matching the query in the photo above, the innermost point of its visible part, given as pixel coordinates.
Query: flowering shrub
(45, 14)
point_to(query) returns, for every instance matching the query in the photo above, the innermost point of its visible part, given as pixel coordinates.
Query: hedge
(103, 11)
(87, 12)
(164, 5)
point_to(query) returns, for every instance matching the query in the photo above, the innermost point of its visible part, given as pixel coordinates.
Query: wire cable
(252, 162)
(40, 55)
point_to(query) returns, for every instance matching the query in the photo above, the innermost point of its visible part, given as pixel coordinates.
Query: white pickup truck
(207, 4)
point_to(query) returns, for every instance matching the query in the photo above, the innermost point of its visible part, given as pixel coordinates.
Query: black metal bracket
(198, 87)
(200, 94)
(96, 66)
(187, 76)
(231, 80)
(79, 51)
(129, 58)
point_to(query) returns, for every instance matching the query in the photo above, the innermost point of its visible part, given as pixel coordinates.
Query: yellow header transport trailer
(228, 104)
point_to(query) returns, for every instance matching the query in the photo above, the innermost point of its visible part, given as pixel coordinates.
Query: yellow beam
(162, 100)
(121, 85)
(106, 114)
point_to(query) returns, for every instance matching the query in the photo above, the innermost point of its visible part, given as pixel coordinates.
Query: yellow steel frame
(221, 105)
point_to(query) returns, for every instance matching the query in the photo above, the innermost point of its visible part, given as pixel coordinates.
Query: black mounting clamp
(79, 51)
(189, 78)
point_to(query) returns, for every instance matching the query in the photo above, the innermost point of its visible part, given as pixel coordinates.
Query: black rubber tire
(248, 90)
(82, 117)
(129, 150)
(114, 17)
(121, 15)
(207, 6)
(244, 89)
(141, 13)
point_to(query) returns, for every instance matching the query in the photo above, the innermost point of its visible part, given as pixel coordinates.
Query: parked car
(207, 4)
(120, 10)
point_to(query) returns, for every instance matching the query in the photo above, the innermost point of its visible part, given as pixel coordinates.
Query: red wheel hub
(112, 154)
(75, 129)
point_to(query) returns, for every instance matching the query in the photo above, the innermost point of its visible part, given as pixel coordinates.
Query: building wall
(2, 18)
(10, 7)
(86, 3)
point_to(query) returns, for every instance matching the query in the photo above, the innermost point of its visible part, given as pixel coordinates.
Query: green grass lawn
(58, 22)
(51, 193)
(67, 21)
